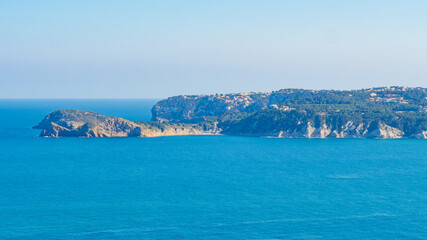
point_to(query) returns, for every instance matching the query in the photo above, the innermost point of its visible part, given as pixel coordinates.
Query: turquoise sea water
(203, 187)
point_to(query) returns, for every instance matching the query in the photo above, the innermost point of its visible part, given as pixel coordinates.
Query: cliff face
(77, 123)
(308, 130)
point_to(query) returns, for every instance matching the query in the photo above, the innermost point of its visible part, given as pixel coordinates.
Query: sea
(202, 187)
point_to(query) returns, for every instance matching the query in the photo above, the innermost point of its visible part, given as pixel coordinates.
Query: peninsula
(387, 112)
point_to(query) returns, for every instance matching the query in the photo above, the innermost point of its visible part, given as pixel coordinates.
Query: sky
(156, 49)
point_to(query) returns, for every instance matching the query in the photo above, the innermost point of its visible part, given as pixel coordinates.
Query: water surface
(203, 187)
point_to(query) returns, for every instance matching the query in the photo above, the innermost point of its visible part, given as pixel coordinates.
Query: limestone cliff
(310, 131)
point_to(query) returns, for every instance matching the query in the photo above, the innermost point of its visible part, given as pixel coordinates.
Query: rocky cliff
(309, 129)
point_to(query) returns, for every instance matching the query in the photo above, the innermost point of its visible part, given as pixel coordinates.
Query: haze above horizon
(156, 49)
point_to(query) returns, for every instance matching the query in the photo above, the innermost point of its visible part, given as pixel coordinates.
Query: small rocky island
(388, 112)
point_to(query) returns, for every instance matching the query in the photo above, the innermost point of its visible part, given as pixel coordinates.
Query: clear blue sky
(155, 49)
